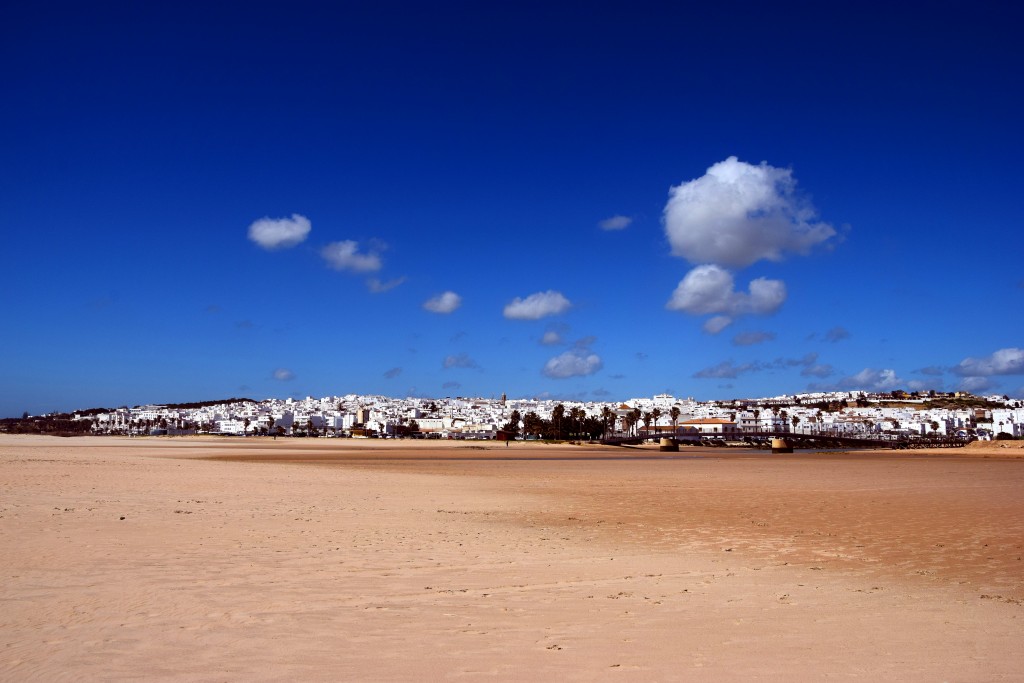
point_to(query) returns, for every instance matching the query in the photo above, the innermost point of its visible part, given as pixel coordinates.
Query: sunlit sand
(324, 559)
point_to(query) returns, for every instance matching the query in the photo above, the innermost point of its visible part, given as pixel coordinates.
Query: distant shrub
(1005, 436)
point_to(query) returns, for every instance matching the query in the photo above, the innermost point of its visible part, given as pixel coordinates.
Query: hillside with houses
(355, 416)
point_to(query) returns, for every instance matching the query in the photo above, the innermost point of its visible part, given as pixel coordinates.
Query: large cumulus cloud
(737, 214)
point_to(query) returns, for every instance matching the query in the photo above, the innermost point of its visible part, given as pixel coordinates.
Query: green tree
(607, 417)
(674, 413)
(557, 415)
(576, 415)
(512, 426)
(655, 414)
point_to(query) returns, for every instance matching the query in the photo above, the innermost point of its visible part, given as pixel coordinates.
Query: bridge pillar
(668, 445)
(780, 445)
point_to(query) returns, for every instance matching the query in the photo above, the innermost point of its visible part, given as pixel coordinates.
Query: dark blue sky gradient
(476, 147)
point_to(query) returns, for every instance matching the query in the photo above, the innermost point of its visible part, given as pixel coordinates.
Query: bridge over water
(822, 439)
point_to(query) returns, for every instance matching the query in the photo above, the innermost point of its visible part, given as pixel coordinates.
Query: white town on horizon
(850, 413)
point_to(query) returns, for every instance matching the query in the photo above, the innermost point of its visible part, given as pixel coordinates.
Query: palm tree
(607, 415)
(576, 414)
(674, 413)
(557, 413)
(628, 421)
(655, 414)
(796, 421)
(636, 416)
(647, 421)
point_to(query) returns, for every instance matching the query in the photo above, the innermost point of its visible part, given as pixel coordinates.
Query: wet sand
(323, 559)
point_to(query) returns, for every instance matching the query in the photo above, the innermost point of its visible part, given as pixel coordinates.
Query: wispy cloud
(536, 306)
(578, 361)
(279, 233)
(283, 374)
(752, 337)
(1002, 362)
(461, 360)
(392, 373)
(615, 223)
(738, 213)
(345, 255)
(836, 334)
(711, 289)
(726, 369)
(446, 302)
(820, 371)
(377, 286)
(977, 385)
(451, 385)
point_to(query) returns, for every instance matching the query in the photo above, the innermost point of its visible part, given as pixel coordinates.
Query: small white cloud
(551, 338)
(710, 289)
(345, 256)
(283, 374)
(615, 223)
(536, 306)
(576, 362)
(443, 303)
(737, 214)
(279, 233)
(1003, 362)
(716, 324)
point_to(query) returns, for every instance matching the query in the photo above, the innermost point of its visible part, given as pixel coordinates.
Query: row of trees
(576, 424)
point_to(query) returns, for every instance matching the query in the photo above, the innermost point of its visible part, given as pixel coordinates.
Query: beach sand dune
(254, 559)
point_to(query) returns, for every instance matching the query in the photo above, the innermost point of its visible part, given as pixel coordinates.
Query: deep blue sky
(477, 149)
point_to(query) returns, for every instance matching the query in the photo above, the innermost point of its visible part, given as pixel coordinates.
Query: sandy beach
(320, 559)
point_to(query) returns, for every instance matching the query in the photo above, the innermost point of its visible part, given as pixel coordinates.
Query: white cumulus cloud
(536, 306)
(345, 255)
(279, 233)
(873, 380)
(711, 289)
(577, 362)
(615, 223)
(738, 213)
(445, 302)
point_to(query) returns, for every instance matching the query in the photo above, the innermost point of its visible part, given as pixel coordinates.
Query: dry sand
(255, 559)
